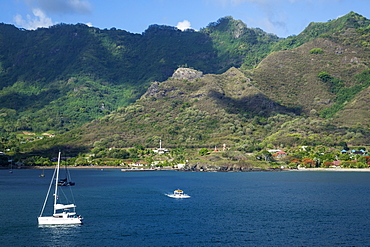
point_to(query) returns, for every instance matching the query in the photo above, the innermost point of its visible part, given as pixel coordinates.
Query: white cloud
(43, 9)
(39, 19)
(61, 6)
(183, 25)
(272, 26)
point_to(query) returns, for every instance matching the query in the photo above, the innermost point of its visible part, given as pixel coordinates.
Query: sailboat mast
(56, 183)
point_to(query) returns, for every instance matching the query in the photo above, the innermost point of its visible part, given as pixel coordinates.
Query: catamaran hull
(58, 221)
(179, 196)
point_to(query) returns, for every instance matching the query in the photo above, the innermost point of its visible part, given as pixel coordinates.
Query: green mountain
(58, 78)
(203, 111)
(235, 90)
(328, 30)
(237, 45)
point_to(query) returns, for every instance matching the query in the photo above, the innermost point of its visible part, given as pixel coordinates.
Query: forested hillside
(58, 78)
(312, 90)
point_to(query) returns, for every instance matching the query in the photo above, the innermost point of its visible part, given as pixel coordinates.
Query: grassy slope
(290, 77)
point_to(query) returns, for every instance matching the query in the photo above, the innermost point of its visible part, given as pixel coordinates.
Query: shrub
(203, 151)
(316, 51)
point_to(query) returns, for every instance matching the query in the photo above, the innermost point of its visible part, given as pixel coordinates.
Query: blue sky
(281, 17)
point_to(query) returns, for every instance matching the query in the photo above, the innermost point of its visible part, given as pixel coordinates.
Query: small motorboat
(178, 194)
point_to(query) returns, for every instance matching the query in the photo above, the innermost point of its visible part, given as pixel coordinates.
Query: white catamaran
(64, 214)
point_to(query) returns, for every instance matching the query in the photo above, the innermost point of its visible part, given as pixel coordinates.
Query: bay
(310, 208)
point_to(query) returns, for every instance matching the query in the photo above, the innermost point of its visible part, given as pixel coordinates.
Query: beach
(334, 169)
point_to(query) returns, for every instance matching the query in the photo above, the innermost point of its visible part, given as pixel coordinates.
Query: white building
(160, 150)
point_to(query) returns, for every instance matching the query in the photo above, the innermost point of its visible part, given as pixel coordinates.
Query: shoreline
(175, 169)
(334, 169)
(90, 167)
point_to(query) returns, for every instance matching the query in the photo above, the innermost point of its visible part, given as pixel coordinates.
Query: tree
(265, 155)
(343, 145)
(316, 51)
(325, 76)
(308, 162)
(345, 157)
(203, 151)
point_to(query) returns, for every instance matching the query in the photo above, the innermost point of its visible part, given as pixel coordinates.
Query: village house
(281, 154)
(336, 164)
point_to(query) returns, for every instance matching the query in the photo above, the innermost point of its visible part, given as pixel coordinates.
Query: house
(47, 134)
(360, 152)
(281, 154)
(180, 166)
(139, 163)
(336, 163)
(161, 151)
(126, 163)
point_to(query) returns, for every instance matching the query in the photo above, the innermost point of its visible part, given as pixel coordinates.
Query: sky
(280, 17)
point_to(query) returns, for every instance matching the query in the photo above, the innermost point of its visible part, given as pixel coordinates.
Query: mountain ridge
(47, 66)
(289, 98)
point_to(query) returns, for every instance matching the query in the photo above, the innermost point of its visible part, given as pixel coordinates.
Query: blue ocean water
(225, 209)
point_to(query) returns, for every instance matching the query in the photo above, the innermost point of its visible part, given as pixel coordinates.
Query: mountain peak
(350, 20)
(186, 74)
(228, 24)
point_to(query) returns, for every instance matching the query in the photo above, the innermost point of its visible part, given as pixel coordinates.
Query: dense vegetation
(238, 45)
(107, 90)
(58, 78)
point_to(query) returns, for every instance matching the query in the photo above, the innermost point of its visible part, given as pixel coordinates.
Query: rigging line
(68, 174)
(69, 178)
(65, 196)
(73, 198)
(47, 195)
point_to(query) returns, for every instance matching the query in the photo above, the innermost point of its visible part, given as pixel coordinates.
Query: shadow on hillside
(67, 149)
(258, 104)
(23, 102)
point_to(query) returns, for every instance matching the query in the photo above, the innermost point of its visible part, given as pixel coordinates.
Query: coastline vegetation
(106, 97)
(205, 159)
